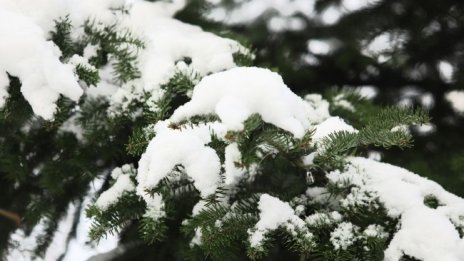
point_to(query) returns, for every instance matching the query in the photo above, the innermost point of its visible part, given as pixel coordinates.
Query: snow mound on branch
(274, 213)
(169, 41)
(233, 173)
(45, 12)
(186, 147)
(26, 53)
(330, 126)
(236, 94)
(123, 184)
(425, 233)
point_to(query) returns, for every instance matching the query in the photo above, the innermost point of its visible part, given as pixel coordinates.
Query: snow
(168, 40)
(28, 55)
(23, 243)
(155, 206)
(57, 248)
(331, 15)
(318, 219)
(446, 71)
(78, 248)
(71, 125)
(273, 214)
(320, 47)
(381, 45)
(172, 147)
(343, 236)
(424, 233)
(232, 174)
(456, 99)
(367, 91)
(236, 94)
(196, 240)
(248, 11)
(330, 126)
(340, 101)
(122, 185)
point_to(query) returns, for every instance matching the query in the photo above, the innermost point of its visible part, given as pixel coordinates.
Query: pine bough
(258, 163)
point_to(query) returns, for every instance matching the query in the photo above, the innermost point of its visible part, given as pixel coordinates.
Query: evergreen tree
(164, 135)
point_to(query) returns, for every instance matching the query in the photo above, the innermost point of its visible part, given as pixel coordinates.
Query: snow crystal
(123, 184)
(236, 94)
(456, 99)
(28, 55)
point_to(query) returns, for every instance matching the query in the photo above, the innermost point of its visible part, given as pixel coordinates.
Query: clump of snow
(383, 44)
(273, 214)
(367, 91)
(155, 206)
(446, 71)
(186, 147)
(340, 101)
(375, 230)
(424, 233)
(318, 108)
(321, 47)
(318, 219)
(456, 99)
(196, 240)
(233, 173)
(236, 94)
(28, 55)
(427, 100)
(330, 126)
(344, 235)
(168, 40)
(71, 125)
(122, 185)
